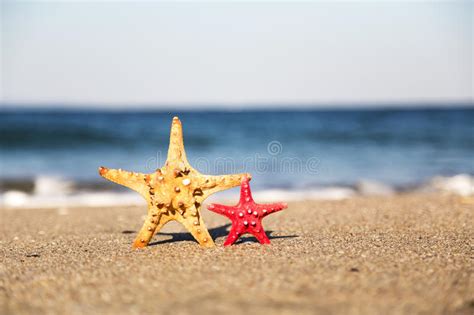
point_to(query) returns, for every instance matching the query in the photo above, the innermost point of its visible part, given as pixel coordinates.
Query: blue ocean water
(282, 149)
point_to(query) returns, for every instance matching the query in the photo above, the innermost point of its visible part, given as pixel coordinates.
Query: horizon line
(244, 106)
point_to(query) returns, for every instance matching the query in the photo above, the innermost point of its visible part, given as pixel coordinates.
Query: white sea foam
(374, 188)
(462, 184)
(327, 193)
(50, 185)
(15, 199)
(56, 193)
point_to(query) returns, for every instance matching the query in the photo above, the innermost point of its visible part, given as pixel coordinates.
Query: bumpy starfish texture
(247, 215)
(173, 192)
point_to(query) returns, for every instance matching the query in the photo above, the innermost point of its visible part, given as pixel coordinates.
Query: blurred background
(316, 99)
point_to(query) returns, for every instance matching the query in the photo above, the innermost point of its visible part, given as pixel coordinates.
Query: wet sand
(408, 254)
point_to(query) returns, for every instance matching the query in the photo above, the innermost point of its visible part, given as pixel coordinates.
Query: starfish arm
(176, 148)
(221, 209)
(195, 225)
(161, 222)
(212, 184)
(245, 192)
(261, 236)
(132, 180)
(269, 208)
(233, 236)
(151, 226)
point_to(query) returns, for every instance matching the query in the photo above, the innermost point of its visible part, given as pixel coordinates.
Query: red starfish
(246, 216)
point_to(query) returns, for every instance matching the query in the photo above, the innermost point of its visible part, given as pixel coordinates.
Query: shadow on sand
(216, 232)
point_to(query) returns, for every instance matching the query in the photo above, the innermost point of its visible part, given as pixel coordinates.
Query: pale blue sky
(118, 53)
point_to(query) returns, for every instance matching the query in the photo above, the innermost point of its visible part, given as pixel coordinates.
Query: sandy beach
(407, 254)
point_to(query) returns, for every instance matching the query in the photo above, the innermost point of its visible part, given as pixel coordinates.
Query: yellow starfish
(174, 192)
